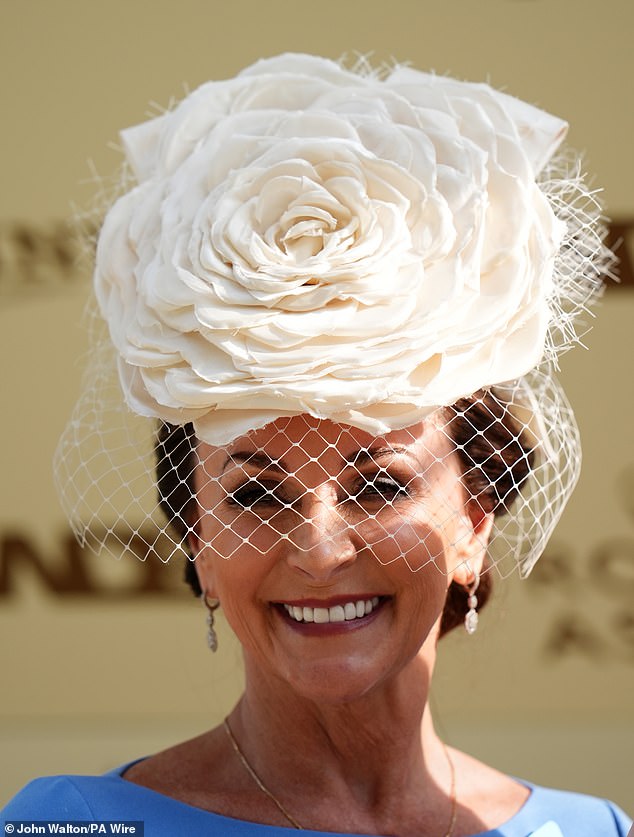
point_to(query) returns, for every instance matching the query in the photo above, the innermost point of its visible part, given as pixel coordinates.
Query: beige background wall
(545, 689)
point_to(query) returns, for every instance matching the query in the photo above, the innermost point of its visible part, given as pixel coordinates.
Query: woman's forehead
(293, 442)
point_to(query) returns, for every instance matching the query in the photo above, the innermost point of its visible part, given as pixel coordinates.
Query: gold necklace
(293, 821)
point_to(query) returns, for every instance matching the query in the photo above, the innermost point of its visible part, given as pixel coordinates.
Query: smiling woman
(336, 298)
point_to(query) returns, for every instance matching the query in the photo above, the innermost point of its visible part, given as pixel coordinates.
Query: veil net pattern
(396, 492)
(304, 483)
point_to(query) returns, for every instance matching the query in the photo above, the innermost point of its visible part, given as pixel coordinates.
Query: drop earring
(211, 605)
(471, 618)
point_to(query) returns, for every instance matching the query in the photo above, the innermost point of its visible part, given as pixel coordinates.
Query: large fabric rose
(306, 239)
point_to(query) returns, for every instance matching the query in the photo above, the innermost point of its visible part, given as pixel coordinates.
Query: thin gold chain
(257, 779)
(293, 821)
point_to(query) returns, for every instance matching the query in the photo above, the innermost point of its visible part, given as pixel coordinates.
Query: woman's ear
(205, 573)
(473, 542)
(202, 563)
(194, 543)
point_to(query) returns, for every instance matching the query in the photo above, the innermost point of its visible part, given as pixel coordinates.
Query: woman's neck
(363, 756)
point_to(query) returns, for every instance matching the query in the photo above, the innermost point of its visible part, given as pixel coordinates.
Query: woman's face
(324, 546)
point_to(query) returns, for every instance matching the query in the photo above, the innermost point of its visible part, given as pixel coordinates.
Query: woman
(340, 295)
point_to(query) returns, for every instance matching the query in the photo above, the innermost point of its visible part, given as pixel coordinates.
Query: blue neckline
(513, 822)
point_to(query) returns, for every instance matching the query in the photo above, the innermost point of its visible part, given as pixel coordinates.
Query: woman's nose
(322, 542)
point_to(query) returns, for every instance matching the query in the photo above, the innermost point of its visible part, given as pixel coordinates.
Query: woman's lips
(345, 613)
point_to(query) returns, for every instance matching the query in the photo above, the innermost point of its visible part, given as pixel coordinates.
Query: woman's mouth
(346, 612)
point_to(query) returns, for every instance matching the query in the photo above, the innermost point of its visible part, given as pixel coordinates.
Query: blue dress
(546, 813)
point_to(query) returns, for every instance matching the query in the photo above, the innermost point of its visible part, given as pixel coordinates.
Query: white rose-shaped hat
(365, 249)
(305, 239)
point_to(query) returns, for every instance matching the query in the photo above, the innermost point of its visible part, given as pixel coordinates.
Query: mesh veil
(421, 494)
(106, 474)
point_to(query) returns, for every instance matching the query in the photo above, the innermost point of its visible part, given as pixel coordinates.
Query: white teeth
(337, 613)
(350, 611)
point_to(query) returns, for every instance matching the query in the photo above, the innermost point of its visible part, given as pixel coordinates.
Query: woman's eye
(255, 493)
(381, 487)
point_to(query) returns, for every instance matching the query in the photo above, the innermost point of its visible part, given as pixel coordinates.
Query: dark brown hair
(494, 456)
(496, 459)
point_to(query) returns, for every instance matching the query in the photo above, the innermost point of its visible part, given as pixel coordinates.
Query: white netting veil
(334, 303)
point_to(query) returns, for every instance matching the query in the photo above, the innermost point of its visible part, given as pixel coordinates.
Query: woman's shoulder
(47, 798)
(536, 809)
(573, 814)
(101, 797)
(65, 796)
(110, 797)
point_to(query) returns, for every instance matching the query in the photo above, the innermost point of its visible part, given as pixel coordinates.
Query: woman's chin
(338, 678)
(335, 682)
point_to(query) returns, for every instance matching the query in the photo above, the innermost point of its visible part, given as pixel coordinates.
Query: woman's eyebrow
(364, 455)
(257, 458)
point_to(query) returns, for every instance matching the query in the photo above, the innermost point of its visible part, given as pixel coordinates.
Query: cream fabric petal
(141, 145)
(540, 133)
(298, 64)
(220, 427)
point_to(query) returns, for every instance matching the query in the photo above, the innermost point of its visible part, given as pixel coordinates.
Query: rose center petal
(302, 229)
(305, 238)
